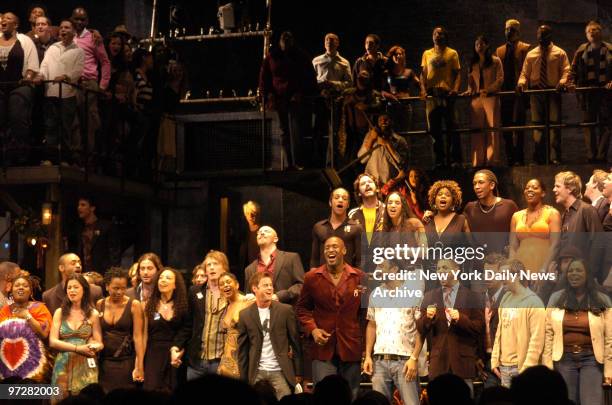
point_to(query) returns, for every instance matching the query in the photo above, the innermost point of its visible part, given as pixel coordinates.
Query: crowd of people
(289, 82)
(145, 327)
(70, 96)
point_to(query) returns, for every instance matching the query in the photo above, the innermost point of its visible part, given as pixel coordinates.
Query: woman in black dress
(447, 228)
(122, 322)
(165, 314)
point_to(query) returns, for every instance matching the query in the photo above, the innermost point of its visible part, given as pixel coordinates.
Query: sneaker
(46, 163)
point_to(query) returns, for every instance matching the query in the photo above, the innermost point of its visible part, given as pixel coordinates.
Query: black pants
(442, 110)
(512, 114)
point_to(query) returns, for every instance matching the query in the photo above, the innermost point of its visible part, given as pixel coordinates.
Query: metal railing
(88, 156)
(546, 126)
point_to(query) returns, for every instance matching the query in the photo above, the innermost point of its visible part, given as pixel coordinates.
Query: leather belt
(575, 349)
(392, 357)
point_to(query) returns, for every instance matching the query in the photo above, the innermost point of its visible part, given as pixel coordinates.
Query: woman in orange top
(534, 231)
(24, 329)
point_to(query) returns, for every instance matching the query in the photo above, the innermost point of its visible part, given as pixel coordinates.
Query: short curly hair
(454, 189)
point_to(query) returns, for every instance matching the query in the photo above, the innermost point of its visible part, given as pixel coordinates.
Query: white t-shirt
(267, 361)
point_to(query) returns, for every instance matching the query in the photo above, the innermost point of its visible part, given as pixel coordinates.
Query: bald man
(68, 264)
(286, 267)
(8, 270)
(329, 310)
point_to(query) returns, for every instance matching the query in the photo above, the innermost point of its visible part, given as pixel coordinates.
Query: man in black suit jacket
(593, 190)
(452, 319)
(68, 264)
(269, 343)
(286, 267)
(97, 240)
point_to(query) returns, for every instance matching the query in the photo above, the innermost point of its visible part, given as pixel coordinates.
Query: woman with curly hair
(578, 342)
(165, 313)
(447, 228)
(28, 321)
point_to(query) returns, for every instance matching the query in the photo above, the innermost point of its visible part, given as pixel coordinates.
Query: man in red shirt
(329, 310)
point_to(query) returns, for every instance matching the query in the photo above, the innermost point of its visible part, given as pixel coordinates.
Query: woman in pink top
(486, 76)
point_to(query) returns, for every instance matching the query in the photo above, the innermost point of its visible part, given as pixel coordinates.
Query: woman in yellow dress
(534, 231)
(228, 284)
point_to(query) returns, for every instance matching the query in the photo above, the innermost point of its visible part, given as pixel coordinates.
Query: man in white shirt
(63, 62)
(333, 76)
(268, 333)
(393, 343)
(332, 69)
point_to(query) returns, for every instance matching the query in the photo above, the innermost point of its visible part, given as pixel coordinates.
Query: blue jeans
(492, 380)
(507, 372)
(388, 373)
(583, 376)
(205, 367)
(350, 370)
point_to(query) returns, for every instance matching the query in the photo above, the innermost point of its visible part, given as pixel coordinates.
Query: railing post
(61, 121)
(547, 130)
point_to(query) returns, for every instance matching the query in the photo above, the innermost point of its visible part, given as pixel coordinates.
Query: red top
(262, 267)
(335, 309)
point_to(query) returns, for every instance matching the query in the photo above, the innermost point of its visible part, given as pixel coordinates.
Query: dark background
(234, 64)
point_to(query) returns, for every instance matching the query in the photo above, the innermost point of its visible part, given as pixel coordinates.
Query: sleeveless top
(539, 228)
(117, 337)
(401, 83)
(11, 62)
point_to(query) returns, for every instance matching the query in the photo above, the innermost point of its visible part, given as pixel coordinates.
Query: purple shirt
(94, 54)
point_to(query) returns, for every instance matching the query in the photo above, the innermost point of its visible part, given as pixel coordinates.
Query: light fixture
(47, 213)
(33, 241)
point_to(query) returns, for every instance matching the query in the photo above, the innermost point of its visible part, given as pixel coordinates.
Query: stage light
(47, 213)
(33, 241)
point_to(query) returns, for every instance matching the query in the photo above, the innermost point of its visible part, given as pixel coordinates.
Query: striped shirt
(213, 335)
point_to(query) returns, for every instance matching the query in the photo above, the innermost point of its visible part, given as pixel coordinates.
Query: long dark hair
(488, 53)
(422, 188)
(406, 214)
(153, 258)
(85, 301)
(179, 295)
(591, 302)
(118, 62)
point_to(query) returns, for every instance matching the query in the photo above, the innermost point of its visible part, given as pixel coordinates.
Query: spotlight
(47, 213)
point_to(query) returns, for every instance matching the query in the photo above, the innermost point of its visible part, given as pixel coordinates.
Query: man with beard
(68, 264)
(329, 310)
(371, 211)
(388, 151)
(512, 55)
(286, 267)
(338, 224)
(440, 80)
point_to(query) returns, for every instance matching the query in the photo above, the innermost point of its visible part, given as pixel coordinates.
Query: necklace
(490, 209)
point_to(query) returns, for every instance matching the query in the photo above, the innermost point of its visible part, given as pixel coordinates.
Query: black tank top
(117, 338)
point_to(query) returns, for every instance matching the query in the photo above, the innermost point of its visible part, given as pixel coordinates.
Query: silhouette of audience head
(539, 385)
(448, 389)
(332, 390)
